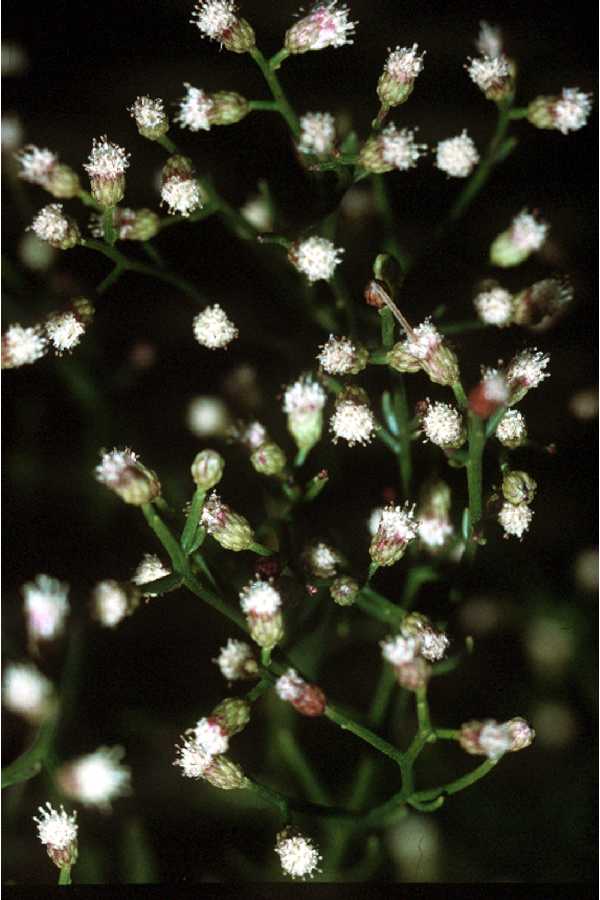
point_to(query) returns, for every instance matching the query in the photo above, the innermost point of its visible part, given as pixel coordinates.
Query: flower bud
(432, 644)
(303, 402)
(425, 348)
(344, 590)
(113, 600)
(397, 527)
(400, 359)
(524, 236)
(317, 134)
(491, 739)
(542, 301)
(207, 469)
(494, 305)
(150, 117)
(123, 473)
(398, 77)
(268, 459)
(521, 733)
(307, 699)
(261, 604)
(42, 167)
(218, 21)
(567, 112)
(413, 675)
(518, 487)
(228, 108)
(515, 519)
(230, 530)
(53, 226)
(327, 25)
(106, 167)
(223, 773)
(232, 714)
(266, 631)
(436, 499)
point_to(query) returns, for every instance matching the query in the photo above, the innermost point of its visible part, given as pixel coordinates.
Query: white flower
(150, 569)
(495, 306)
(399, 650)
(96, 779)
(259, 598)
(51, 224)
(424, 341)
(317, 133)
(114, 465)
(26, 692)
(207, 416)
(489, 41)
(374, 520)
(444, 426)
(299, 856)
(495, 739)
(353, 421)
(181, 194)
(194, 109)
(56, 829)
(457, 156)
(11, 131)
(22, 346)
(512, 429)
(433, 531)
(304, 395)
(213, 329)
(106, 160)
(526, 232)
(495, 385)
(316, 257)
(192, 759)
(515, 519)
(256, 211)
(209, 735)
(36, 164)
(327, 25)
(46, 607)
(404, 64)
(322, 560)
(397, 524)
(110, 603)
(433, 644)
(399, 148)
(528, 368)
(571, 110)
(290, 686)
(236, 660)
(214, 17)
(64, 331)
(488, 72)
(338, 356)
(148, 113)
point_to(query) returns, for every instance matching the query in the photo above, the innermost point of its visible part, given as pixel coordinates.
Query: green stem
(110, 279)
(423, 717)
(459, 393)
(474, 476)
(168, 145)
(270, 105)
(166, 538)
(447, 734)
(278, 58)
(108, 228)
(191, 523)
(453, 787)
(87, 199)
(65, 875)
(520, 112)
(384, 205)
(275, 87)
(260, 549)
(388, 326)
(462, 327)
(379, 607)
(365, 734)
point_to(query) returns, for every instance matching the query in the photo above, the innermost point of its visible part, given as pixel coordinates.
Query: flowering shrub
(274, 576)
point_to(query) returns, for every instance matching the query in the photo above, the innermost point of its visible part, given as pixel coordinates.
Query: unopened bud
(232, 714)
(344, 590)
(207, 469)
(223, 773)
(518, 487)
(268, 459)
(228, 108)
(303, 402)
(307, 699)
(229, 529)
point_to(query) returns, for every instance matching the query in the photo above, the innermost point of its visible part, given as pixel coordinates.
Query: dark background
(533, 820)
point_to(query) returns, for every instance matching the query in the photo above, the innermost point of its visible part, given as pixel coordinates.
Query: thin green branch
(278, 94)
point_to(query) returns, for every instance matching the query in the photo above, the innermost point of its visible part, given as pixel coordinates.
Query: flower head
(298, 855)
(399, 650)
(341, 356)
(193, 758)
(571, 110)
(457, 156)
(397, 527)
(495, 306)
(218, 21)
(327, 25)
(304, 395)
(525, 371)
(123, 473)
(26, 692)
(22, 346)
(259, 598)
(515, 519)
(112, 601)
(213, 329)
(46, 607)
(210, 735)
(399, 73)
(321, 559)
(352, 419)
(97, 778)
(207, 416)
(151, 568)
(64, 331)
(53, 226)
(399, 150)
(316, 257)
(182, 195)
(150, 117)
(194, 109)
(425, 348)
(525, 235)
(444, 426)
(289, 686)
(58, 831)
(492, 75)
(36, 164)
(511, 431)
(106, 167)
(434, 531)
(317, 133)
(229, 529)
(236, 660)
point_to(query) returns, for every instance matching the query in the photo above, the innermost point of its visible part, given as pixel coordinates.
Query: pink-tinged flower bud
(218, 21)
(327, 25)
(106, 167)
(268, 459)
(539, 304)
(494, 305)
(512, 430)
(341, 356)
(232, 714)
(230, 530)
(518, 487)
(413, 675)
(567, 112)
(43, 168)
(490, 394)
(207, 469)
(392, 148)
(53, 226)
(491, 739)
(150, 117)
(398, 77)
(515, 519)
(425, 348)
(397, 527)
(236, 661)
(112, 601)
(352, 419)
(493, 75)
(444, 426)
(457, 156)
(399, 649)
(251, 435)
(307, 699)
(123, 473)
(179, 188)
(268, 568)
(344, 590)
(228, 108)
(298, 854)
(22, 346)
(525, 235)
(521, 733)
(58, 831)
(261, 604)
(317, 134)
(315, 257)
(196, 762)
(526, 371)
(303, 402)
